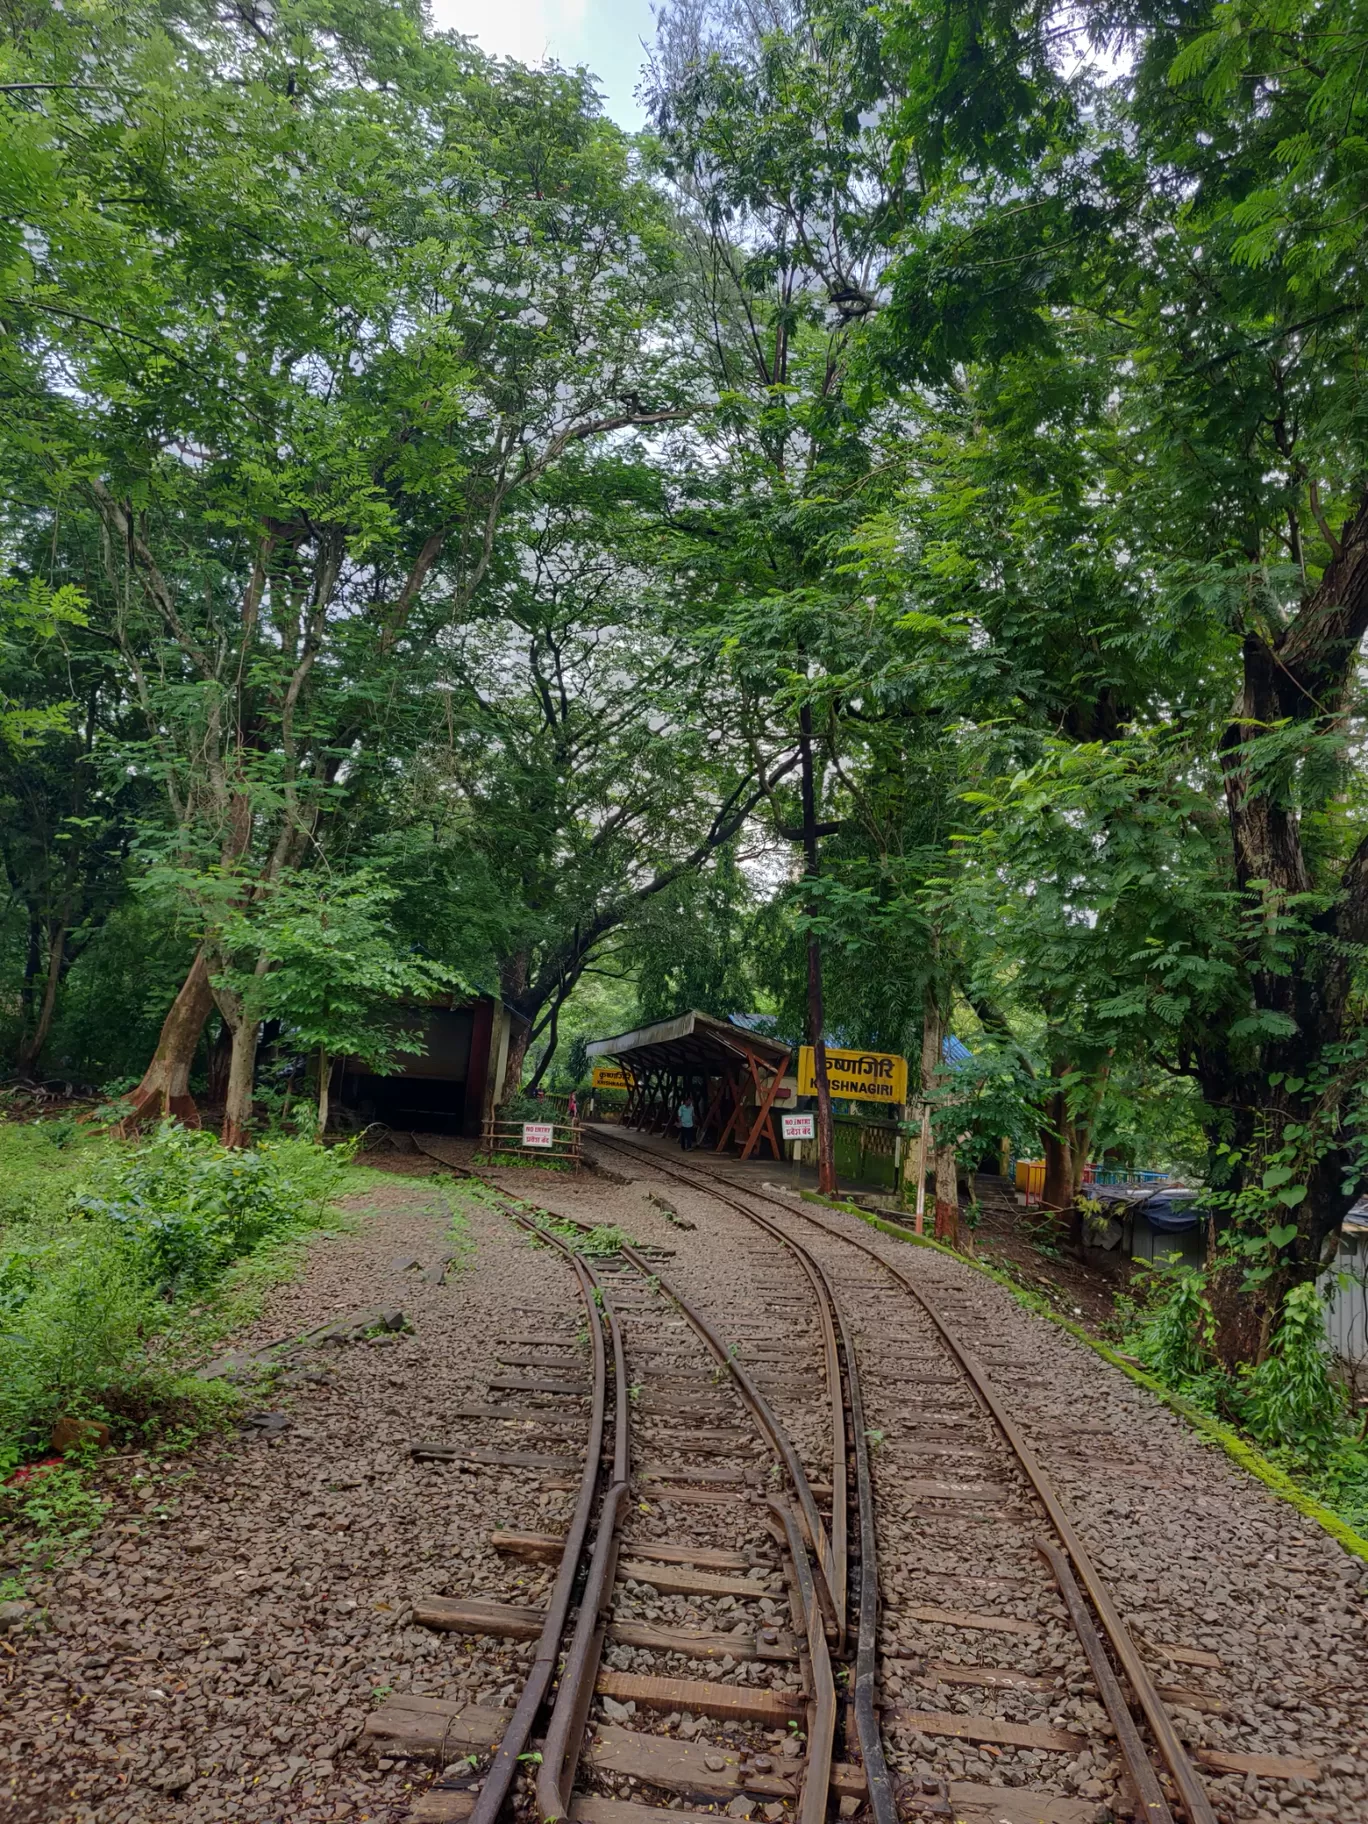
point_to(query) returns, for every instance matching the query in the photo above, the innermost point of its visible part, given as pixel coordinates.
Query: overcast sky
(605, 35)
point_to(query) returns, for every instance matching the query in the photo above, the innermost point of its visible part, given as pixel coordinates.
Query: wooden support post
(765, 1117)
(923, 1152)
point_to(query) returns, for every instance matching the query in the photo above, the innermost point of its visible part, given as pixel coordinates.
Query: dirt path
(214, 1656)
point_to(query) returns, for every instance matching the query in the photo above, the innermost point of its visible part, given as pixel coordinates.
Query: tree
(596, 757)
(322, 956)
(299, 414)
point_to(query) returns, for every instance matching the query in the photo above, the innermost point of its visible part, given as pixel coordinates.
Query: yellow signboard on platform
(609, 1076)
(872, 1076)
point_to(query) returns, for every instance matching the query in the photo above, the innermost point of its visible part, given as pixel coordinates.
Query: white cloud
(530, 30)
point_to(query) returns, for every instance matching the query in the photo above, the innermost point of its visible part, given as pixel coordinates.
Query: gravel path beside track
(214, 1656)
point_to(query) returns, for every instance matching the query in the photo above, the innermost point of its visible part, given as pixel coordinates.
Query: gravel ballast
(1203, 1561)
(215, 1653)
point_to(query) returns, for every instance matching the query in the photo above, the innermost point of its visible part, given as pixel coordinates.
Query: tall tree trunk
(31, 1051)
(28, 993)
(165, 1088)
(216, 1069)
(816, 1008)
(947, 1196)
(325, 1071)
(237, 1110)
(513, 983)
(549, 1052)
(942, 1155)
(1058, 1195)
(1296, 677)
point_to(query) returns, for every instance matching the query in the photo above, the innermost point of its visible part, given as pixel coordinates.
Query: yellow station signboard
(609, 1076)
(873, 1076)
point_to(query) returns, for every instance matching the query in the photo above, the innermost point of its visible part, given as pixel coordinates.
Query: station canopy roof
(691, 1041)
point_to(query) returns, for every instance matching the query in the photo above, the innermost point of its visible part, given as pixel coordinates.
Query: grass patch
(119, 1262)
(519, 1161)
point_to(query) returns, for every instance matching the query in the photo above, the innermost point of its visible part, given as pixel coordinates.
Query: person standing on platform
(686, 1124)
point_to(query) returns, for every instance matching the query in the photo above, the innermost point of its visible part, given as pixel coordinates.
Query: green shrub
(1173, 1333)
(1289, 1399)
(78, 1344)
(105, 1284)
(188, 1207)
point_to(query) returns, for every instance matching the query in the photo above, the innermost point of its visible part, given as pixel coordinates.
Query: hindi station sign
(610, 1076)
(538, 1133)
(799, 1127)
(872, 1076)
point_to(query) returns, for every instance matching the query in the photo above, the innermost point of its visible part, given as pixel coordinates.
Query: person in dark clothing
(686, 1124)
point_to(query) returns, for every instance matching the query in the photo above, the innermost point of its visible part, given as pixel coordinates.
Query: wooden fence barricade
(511, 1138)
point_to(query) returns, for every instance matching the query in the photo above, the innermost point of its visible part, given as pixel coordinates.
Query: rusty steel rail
(1174, 1755)
(881, 1794)
(579, 1675)
(504, 1767)
(815, 1591)
(576, 1690)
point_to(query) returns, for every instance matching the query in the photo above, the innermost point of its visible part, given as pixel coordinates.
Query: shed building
(736, 1077)
(448, 1088)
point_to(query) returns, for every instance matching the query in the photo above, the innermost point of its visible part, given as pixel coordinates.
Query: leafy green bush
(1174, 1331)
(79, 1342)
(106, 1277)
(188, 1207)
(1289, 1404)
(1289, 1399)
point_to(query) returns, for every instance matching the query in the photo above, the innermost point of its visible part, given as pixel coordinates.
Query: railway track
(966, 1457)
(713, 1602)
(741, 1484)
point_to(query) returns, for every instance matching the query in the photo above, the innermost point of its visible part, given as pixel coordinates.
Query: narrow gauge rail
(1111, 1653)
(631, 1291)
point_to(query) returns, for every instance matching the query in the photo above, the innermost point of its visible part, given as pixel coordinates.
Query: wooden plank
(676, 1766)
(550, 1418)
(919, 1489)
(442, 1805)
(704, 1697)
(703, 1447)
(703, 1643)
(691, 1472)
(969, 1515)
(530, 1359)
(593, 1808)
(695, 1440)
(471, 1453)
(700, 1497)
(994, 1678)
(430, 1726)
(543, 1548)
(506, 1619)
(990, 1729)
(520, 1383)
(965, 1618)
(682, 1581)
(675, 1409)
(1189, 1656)
(1193, 1700)
(707, 1557)
(1263, 1766)
(1011, 1805)
(907, 1450)
(917, 1380)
